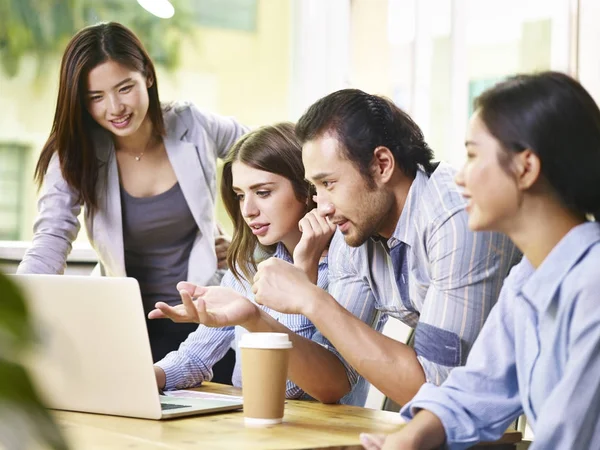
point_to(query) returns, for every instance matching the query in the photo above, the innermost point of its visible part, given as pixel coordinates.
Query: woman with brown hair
(144, 173)
(271, 205)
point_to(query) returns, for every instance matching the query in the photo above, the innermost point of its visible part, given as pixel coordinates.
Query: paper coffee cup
(264, 374)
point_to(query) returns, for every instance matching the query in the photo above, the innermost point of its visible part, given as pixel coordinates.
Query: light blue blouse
(192, 363)
(538, 353)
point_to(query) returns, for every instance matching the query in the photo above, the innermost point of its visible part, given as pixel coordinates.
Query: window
(13, 159)
(434, 57)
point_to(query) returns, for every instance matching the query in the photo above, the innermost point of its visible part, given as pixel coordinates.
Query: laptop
(93, 353)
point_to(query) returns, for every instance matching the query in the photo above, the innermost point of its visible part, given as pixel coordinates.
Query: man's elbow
(330, 396)
(332, 393)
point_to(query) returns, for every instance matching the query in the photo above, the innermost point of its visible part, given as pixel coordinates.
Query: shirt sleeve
(224, 131)
(300, 325)
(352, 292)
(467, 271)
(570, 417)
(478, 401)
(192, 363)
(56, 225)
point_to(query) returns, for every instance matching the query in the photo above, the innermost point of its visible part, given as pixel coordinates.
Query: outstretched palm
(213, 306)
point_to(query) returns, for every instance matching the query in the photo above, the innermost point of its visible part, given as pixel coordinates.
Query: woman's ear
(528, 168)
(149, 81)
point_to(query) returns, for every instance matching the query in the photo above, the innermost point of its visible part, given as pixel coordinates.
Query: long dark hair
(71, 134)
(363, 122)
(554, 116)
(274, 149)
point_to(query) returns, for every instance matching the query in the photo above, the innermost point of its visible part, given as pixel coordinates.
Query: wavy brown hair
(71, 134)
(274, 149)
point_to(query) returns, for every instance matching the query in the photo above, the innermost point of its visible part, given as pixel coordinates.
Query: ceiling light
(160, 8)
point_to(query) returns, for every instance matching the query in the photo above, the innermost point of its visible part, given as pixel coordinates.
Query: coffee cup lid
(265, 340)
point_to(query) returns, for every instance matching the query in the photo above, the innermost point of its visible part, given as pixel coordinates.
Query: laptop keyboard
(168, 406)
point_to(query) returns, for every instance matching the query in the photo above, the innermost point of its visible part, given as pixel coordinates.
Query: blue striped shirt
(192, 363)
(538, 353)
(454, 275)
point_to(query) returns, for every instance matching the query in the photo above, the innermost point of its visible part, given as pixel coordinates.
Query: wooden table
(306, 425)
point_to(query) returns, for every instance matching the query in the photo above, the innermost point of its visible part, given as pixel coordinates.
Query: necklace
(138, 155)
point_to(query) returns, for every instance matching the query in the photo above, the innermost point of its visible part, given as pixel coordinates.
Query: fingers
(320, 224)
(193, 289)
(303, 226)
(221, 241)
(188, 303)
(203, 315)
(222, 244)
(323, 222)
(257, 295)
(221, 256)
(156, 314)
(260, 268)
(175, 313)
(372, 441)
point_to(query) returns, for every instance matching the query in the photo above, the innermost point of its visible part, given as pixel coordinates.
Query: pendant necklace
(138, 156)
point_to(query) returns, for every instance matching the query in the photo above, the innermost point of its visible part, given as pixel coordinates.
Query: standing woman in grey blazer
(145, 175)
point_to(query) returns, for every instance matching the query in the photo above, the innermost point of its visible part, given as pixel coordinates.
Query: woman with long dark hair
(145, 174)
(532, 172)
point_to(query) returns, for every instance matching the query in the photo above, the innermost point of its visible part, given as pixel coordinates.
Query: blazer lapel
(114, 217)
(186, 165)
(185, 160)
(108, 221)
(183, 149)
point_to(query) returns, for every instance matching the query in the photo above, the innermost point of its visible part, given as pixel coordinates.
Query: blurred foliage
(22, 414)
(43, 28)
(15, 328)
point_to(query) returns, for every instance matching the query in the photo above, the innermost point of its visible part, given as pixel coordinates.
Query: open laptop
(94, 354)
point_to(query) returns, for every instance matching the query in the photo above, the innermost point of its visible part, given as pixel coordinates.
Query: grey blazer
(194, 140)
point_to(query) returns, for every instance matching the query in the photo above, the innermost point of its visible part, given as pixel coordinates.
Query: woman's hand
(316, 234)
(214, 306)
(222, 243)
(425, 431)
(394, 441)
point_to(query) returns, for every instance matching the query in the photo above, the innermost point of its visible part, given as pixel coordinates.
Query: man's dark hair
(362, 122)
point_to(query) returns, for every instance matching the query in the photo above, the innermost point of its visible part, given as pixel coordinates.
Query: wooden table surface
(306, 425)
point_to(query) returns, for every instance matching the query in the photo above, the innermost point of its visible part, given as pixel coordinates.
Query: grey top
(158, 235)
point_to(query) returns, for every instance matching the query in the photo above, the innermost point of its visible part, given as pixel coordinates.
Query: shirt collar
(282, 253)
(540, 287)
(417, 187)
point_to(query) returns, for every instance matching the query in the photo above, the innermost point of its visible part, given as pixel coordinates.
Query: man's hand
(283, 287)
(222, 243)
(316, 234)
(214, 307)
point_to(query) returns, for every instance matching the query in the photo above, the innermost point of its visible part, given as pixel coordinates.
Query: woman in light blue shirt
(532, 172)
(270, 203)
